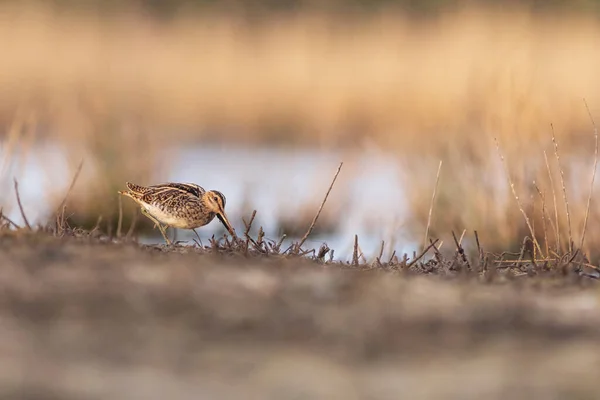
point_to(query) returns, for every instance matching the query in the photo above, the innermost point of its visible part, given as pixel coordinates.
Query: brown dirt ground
(82, 319)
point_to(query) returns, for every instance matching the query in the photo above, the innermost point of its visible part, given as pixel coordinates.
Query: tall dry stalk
(516, 196)
(589, 200)
(554, 202)
(564, 189)
(437, 180)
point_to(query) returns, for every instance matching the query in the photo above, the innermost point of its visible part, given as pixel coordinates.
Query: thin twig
(62, 204)
(361, 254)
(314, 221)
(392, 257)
(198, 236)
(10, 221)
(133, 224)
(98, 221)
(562, 179)
(462, 236)
(21, 205)
(437, 179)
(557, 227)
(479, 252)
(587, 210)
(120, 221)
(521, 261)
(512, 187)
(460, 249)
(249, 224)
(247, 232)
(544, 216)
(381, 251)
(417, 258)
(355, 251)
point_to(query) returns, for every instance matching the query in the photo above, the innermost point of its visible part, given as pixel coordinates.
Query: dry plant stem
(98, 221)
(249, 224)
(477, 241)
(521, 261)
(73, 181)
(555, 203)
(392, 257)
(247, 232)
(281, 241)
(462, 236)
(523, 248)
(562, 179)
(460, 249)
(355, 251)
(544, 216)
(597, 268)
(319, 210)
(437, 180)
(314, 221)
(361, 254)
(480, 253)
(10, 221)
(120, 222)
(425, 250)
(198, 236)
(533, 225)
(21, 205)
(133, 224)
(587, 210)
(514, 192)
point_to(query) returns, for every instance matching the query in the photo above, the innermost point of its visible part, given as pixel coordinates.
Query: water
(272, 181)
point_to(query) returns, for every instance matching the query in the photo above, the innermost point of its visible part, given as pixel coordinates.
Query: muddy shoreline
(84, 319)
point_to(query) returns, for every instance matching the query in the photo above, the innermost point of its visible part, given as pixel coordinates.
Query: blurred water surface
(367, 199)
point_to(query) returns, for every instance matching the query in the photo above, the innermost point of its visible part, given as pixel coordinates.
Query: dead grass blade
(422, 254)
(60, 210)
(355, 251)
(544, 217)
(133, 224)
(249, 239)
(514, 192)
(587, 210)
(437, 180)
(555, 203)
(4, 217)
(120, 221)
(460, 249)
(21, 205)
(564, 188)
(314, 221)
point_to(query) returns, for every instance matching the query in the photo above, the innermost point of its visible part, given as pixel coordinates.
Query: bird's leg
(164, 233)
(158, 224)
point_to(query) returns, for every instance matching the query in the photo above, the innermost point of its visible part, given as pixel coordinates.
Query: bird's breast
(185, 217)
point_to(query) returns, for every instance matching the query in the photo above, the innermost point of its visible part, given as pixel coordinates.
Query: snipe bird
(179, 205)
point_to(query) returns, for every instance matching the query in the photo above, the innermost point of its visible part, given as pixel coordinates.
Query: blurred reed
(118, 89)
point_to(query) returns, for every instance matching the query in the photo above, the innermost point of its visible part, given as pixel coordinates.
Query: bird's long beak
(223, 218)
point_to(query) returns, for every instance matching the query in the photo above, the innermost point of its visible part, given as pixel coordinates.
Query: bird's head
(215, 202)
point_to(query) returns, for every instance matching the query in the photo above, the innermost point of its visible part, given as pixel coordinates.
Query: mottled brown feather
(180, 205)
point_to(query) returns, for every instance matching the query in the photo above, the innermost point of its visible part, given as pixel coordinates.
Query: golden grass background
(386, 76)
(426, 90)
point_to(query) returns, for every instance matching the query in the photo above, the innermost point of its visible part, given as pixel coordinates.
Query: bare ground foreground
(91, 319)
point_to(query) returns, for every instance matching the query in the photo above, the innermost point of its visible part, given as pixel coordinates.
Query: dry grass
(386, 76)
(113, 89)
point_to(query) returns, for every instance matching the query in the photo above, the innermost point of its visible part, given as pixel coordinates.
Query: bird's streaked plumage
(179, 205)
